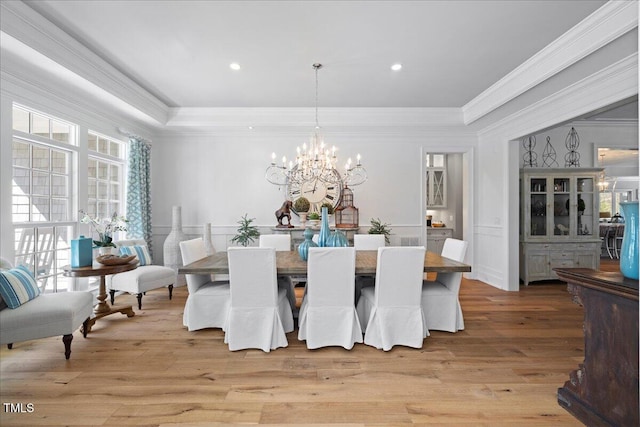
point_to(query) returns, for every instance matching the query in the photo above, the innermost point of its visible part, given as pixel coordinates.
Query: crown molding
(611, 21)
(32, 92)
(614, 83)
(607, 122)
(396, 134)
(305, 117)
(37, 33)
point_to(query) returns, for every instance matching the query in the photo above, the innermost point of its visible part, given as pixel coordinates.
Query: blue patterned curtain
(139, 191)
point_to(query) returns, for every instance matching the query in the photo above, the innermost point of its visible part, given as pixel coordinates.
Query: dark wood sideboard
(603, 391)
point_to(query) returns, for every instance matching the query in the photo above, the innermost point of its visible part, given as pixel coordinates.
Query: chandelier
(315, 161)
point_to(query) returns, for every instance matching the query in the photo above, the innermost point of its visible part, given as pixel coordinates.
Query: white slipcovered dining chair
(146, 277)
(280, 242)
(260, 313)
(328, 314)
(440, 302)
(391, 313)
(368, 242)
(208, 302)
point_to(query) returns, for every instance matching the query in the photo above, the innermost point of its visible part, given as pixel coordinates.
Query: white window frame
(40, 246)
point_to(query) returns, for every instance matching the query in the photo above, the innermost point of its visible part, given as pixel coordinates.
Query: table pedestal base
(124, 309)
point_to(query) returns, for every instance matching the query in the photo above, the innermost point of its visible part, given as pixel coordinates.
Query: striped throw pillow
(140, 251)
(17, 286)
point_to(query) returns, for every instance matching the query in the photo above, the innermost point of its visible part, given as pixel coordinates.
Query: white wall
(219, 178)
(592, 135)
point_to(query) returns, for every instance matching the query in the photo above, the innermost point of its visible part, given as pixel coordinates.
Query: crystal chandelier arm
(276, 175)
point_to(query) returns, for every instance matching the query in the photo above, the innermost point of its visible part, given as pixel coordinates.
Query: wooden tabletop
(288, 263)
(98, 269)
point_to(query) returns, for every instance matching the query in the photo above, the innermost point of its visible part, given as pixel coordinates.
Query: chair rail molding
(611, 21)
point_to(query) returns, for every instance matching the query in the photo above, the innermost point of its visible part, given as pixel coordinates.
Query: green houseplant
(329, 207)
(313, 216)
(378, 227)
(247, 233)
(301, 204)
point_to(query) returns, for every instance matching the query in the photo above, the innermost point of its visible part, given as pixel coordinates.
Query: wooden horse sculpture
(284, 211)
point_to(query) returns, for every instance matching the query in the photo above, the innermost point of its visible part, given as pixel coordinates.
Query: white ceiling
(180, 51)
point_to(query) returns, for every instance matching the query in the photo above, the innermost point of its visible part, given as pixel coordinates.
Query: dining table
(289, 263)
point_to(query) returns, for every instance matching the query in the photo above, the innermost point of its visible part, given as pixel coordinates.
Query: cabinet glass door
(561, 202)
(586, 197)
(538, 205)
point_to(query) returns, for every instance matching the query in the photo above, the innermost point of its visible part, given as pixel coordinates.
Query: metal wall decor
(549, 155)
(530, 158)
(572, 142)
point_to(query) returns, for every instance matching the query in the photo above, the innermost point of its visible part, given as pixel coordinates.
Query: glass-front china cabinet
(558, 221)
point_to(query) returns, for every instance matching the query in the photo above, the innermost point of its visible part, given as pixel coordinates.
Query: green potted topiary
(247, 233)
(378, 227)
(329, 207)
(314, 219)
(301, 206)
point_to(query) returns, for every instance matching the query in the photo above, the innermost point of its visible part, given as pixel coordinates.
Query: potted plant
(329, 207)
(105, 227)
(314, 218)
(378, 227)
(301, 206)
(247, 233)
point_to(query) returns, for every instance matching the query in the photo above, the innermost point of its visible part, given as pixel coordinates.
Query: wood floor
(503, 370)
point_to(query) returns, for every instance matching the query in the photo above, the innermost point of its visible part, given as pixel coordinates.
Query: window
(105, 176)
(42, 154)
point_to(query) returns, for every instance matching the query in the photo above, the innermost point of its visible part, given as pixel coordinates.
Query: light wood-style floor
(503, 370)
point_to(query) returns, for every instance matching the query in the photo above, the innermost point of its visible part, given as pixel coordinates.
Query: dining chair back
(328, 315)
(391, 312)
(260, 314)
(191, 251)
(208, 302)
(281, 243)
(440, 303)
(619, 236)
(368, 242)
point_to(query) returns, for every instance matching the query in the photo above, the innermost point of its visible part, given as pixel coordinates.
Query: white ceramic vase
(171, 249)
(208, 244)
(105, 250)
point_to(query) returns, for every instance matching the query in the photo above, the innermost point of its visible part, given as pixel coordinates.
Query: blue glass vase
(303, 248)
(324, 238)
(629, 250)
(339, 240)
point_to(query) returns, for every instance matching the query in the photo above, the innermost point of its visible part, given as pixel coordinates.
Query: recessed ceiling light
(396, 67)
(234, 66)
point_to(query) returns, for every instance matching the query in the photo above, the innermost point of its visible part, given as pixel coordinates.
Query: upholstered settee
(44, 315)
